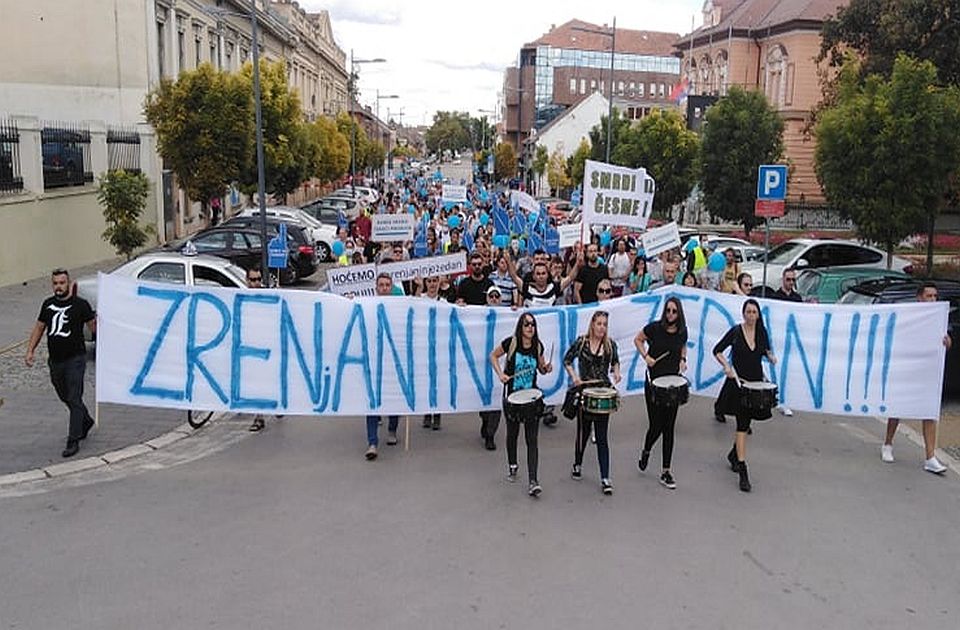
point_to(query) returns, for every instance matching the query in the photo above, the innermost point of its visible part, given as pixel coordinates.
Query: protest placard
(569, 234)
(615, 195)
(661, 239)
(524, 200)
(454, 193)
(352, 280)
(425, 267)
(392, 227)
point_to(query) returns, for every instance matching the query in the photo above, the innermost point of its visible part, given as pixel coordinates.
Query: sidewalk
(33, 421)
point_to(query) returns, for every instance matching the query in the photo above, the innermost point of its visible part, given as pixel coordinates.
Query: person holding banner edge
(524, 359)
(749, 343)
(384, 288)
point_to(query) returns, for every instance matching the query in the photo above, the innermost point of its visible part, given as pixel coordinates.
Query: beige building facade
(770, 46)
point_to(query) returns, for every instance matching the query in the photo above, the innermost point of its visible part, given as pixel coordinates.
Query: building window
(653, 90)
(197, 49)
(642, 89)
(181, 51)
(777, 61)
(583, 86)
(621, 87)
(593, 85)
(573, 86)
(230, 47)
(213, 54)
(161, 48)
(663, 90)
(633, 87)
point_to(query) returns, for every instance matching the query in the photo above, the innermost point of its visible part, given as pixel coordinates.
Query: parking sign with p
(772, 182)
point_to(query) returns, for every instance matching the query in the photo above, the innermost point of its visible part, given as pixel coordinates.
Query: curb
(55, 471)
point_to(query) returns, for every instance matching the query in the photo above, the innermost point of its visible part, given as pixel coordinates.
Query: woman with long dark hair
(663, 346)
(524, 358)
(597, 358)
(640, 278)
(749, 343)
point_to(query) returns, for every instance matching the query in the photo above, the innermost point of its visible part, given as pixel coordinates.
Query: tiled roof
(763, 14)
(628, 41)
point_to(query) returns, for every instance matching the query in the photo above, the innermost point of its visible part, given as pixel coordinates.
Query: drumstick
(660, 357)
(515, 374)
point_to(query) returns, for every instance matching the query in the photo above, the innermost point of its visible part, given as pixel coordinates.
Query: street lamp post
(612, 34)
(353, 119)
(261, 177)
(380, 98)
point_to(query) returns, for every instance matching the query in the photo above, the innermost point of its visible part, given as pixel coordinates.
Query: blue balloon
(641, 253)
(605, 238)
(484, 219)
(691, 245)
(338, 248)
(453, 222)
(717, 262)
(501, 241)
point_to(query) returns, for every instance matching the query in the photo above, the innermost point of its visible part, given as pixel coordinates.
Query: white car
(367, 195)
(171, 268)
(321, 234)
(806, 253)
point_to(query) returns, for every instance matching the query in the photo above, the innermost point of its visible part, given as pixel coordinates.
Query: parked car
(327, 209)
(887, 291)
(804, 253)
(302, 261)
(364, 193)
(322, 235)
(826, 285)
(557, 208)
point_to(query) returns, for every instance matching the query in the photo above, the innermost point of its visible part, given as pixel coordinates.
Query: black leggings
(663, 420)
(530, 430)
(600, 424)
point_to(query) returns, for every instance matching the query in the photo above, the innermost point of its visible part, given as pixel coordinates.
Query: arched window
(721, 73)
(776, 75)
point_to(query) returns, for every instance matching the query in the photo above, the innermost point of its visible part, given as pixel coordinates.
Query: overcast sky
(450, 55)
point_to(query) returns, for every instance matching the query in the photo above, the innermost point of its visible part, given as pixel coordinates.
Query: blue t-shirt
(523, 362)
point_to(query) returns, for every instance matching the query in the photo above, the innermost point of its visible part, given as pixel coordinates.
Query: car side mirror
(802, 264)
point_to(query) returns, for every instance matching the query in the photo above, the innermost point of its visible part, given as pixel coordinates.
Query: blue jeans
(373, 424)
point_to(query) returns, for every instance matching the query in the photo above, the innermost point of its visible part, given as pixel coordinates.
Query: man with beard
(585, 287)
(472, 290)
(62, 317)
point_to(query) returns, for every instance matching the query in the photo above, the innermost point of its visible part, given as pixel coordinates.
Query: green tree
(577, 162)
(374, 155)
(888, 150)
(662, 144)
(348, 125)
(539, 165)
(123, 196)
(289, 154)
(505, 161)
(333, 150)
(742, 132)
(598, 137)
(450, 131)
(557, 177)
(879, 30)
(482, 133)
(204, 125)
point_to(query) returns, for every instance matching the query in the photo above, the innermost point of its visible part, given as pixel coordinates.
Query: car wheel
(323, 251)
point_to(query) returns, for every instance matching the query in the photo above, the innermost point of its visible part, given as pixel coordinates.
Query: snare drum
(524, 405)
(600, 400)
(758, 396)
(670, 390)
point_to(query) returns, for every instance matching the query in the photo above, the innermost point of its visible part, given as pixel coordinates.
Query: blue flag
(468, 240)
(518, 225)
(342, 222)
(501, 220)
(552, 242)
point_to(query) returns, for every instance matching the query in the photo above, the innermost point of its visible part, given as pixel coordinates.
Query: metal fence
(66, 155)
(10, 179)
(123, 149)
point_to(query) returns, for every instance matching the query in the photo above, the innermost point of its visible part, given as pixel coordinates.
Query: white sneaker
(933, 465)
(787, 411)
(886, 453)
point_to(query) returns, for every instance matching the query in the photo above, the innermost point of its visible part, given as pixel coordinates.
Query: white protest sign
(615, 195)
(661, 239)
(524, 200)
(425, 267)
(454, 193)
(569, 234)
(392, 227)
(353, 280)
(313, 353)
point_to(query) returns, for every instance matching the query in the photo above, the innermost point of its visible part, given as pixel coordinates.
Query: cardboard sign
(353, 280)
(425, 267)
(661, 239)
(453, 193)
(569, 234)
(392, 227)
(615, 195)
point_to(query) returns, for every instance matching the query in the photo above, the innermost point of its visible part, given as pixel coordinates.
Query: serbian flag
(680, 91)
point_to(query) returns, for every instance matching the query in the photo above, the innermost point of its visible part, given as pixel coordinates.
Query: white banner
(569, 234)
(392, 227)
(524, 200)
(616, 195)
(454, 193)
(661, 239)
(425, 267)
(353, 280)
(299, 352)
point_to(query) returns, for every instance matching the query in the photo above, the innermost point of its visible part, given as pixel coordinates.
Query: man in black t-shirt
(62, 317)
(787, 293)
(472, 290)
(585, 287)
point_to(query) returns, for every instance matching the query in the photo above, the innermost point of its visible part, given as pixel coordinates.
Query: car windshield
(855, 297)
(784, 254)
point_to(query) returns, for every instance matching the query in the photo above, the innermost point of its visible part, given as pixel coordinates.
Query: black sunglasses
(604, 291)
(530, 322)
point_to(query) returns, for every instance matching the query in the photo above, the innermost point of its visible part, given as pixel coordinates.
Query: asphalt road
(292, 528)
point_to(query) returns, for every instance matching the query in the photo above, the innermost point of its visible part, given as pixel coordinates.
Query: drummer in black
(663, 346)
(749, 343)
(597, 358)
(524, 353)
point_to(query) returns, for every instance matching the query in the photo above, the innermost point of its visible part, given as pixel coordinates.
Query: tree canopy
(450, 131)
(577, 162)
(505, 161)
(333, 150)
(598, 137)
(888, 148)
(742, 132)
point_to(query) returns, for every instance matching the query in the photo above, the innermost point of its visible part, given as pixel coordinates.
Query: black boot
(744, 477)
(732, 458)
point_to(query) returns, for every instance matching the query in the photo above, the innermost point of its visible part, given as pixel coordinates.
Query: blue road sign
(277, 249)
(772, 182)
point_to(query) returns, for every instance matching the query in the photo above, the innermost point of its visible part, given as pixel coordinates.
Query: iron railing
(123, 149)
(10, 179)
(66, 155)
(804, 216)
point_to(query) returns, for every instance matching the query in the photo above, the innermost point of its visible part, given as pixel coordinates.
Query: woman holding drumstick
(749, 343)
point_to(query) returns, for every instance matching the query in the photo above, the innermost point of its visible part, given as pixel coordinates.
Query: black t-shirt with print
(589, 277)
(524, 361)
(64, 320)
(659, 342)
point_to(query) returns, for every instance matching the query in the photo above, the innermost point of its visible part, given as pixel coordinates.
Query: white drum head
(670, 380)
(758, 385)
(524, 396)
(600, 392)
